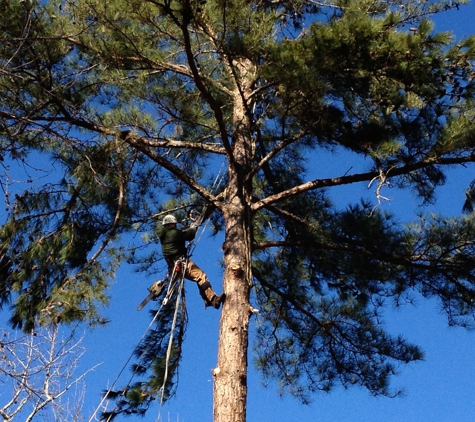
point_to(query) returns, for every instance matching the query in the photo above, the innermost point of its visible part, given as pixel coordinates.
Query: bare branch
(360, 177)
(37, 371)
(214, 148)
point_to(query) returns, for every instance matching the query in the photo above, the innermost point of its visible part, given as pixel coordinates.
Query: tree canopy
(120, 111)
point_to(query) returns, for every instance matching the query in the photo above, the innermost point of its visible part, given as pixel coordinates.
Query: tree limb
(360, 177)
(134, 141)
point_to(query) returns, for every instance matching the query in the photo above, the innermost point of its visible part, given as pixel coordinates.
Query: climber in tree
(173, 241)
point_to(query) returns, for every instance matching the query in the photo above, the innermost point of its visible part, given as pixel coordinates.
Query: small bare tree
(37, 375)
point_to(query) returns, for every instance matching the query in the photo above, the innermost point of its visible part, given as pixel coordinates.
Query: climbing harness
(158, 286)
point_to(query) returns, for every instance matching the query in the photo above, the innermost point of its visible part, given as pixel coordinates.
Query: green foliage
(318, 302)
(118, 111)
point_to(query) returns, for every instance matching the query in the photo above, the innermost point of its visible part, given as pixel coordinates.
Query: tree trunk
(230, 375)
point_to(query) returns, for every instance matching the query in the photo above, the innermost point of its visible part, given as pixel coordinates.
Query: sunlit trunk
(230, 374)
(230, 387)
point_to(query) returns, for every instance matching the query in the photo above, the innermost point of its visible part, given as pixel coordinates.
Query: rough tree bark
(230, 375)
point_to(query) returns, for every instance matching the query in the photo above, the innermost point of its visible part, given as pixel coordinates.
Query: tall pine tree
(127, 109)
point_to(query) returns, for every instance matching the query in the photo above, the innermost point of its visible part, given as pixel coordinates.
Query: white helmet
(169, 219)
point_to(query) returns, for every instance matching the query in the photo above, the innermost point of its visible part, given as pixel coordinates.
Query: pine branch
(288, 298)
(215, 105)
(172, 168)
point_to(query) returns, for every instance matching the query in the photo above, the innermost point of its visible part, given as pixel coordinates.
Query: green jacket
(174, 240)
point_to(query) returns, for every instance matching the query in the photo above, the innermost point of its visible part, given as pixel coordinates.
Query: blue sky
(439, 389)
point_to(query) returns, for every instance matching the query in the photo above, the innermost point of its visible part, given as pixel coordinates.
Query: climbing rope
(170, 290)
(170, 340)
(168, 295)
